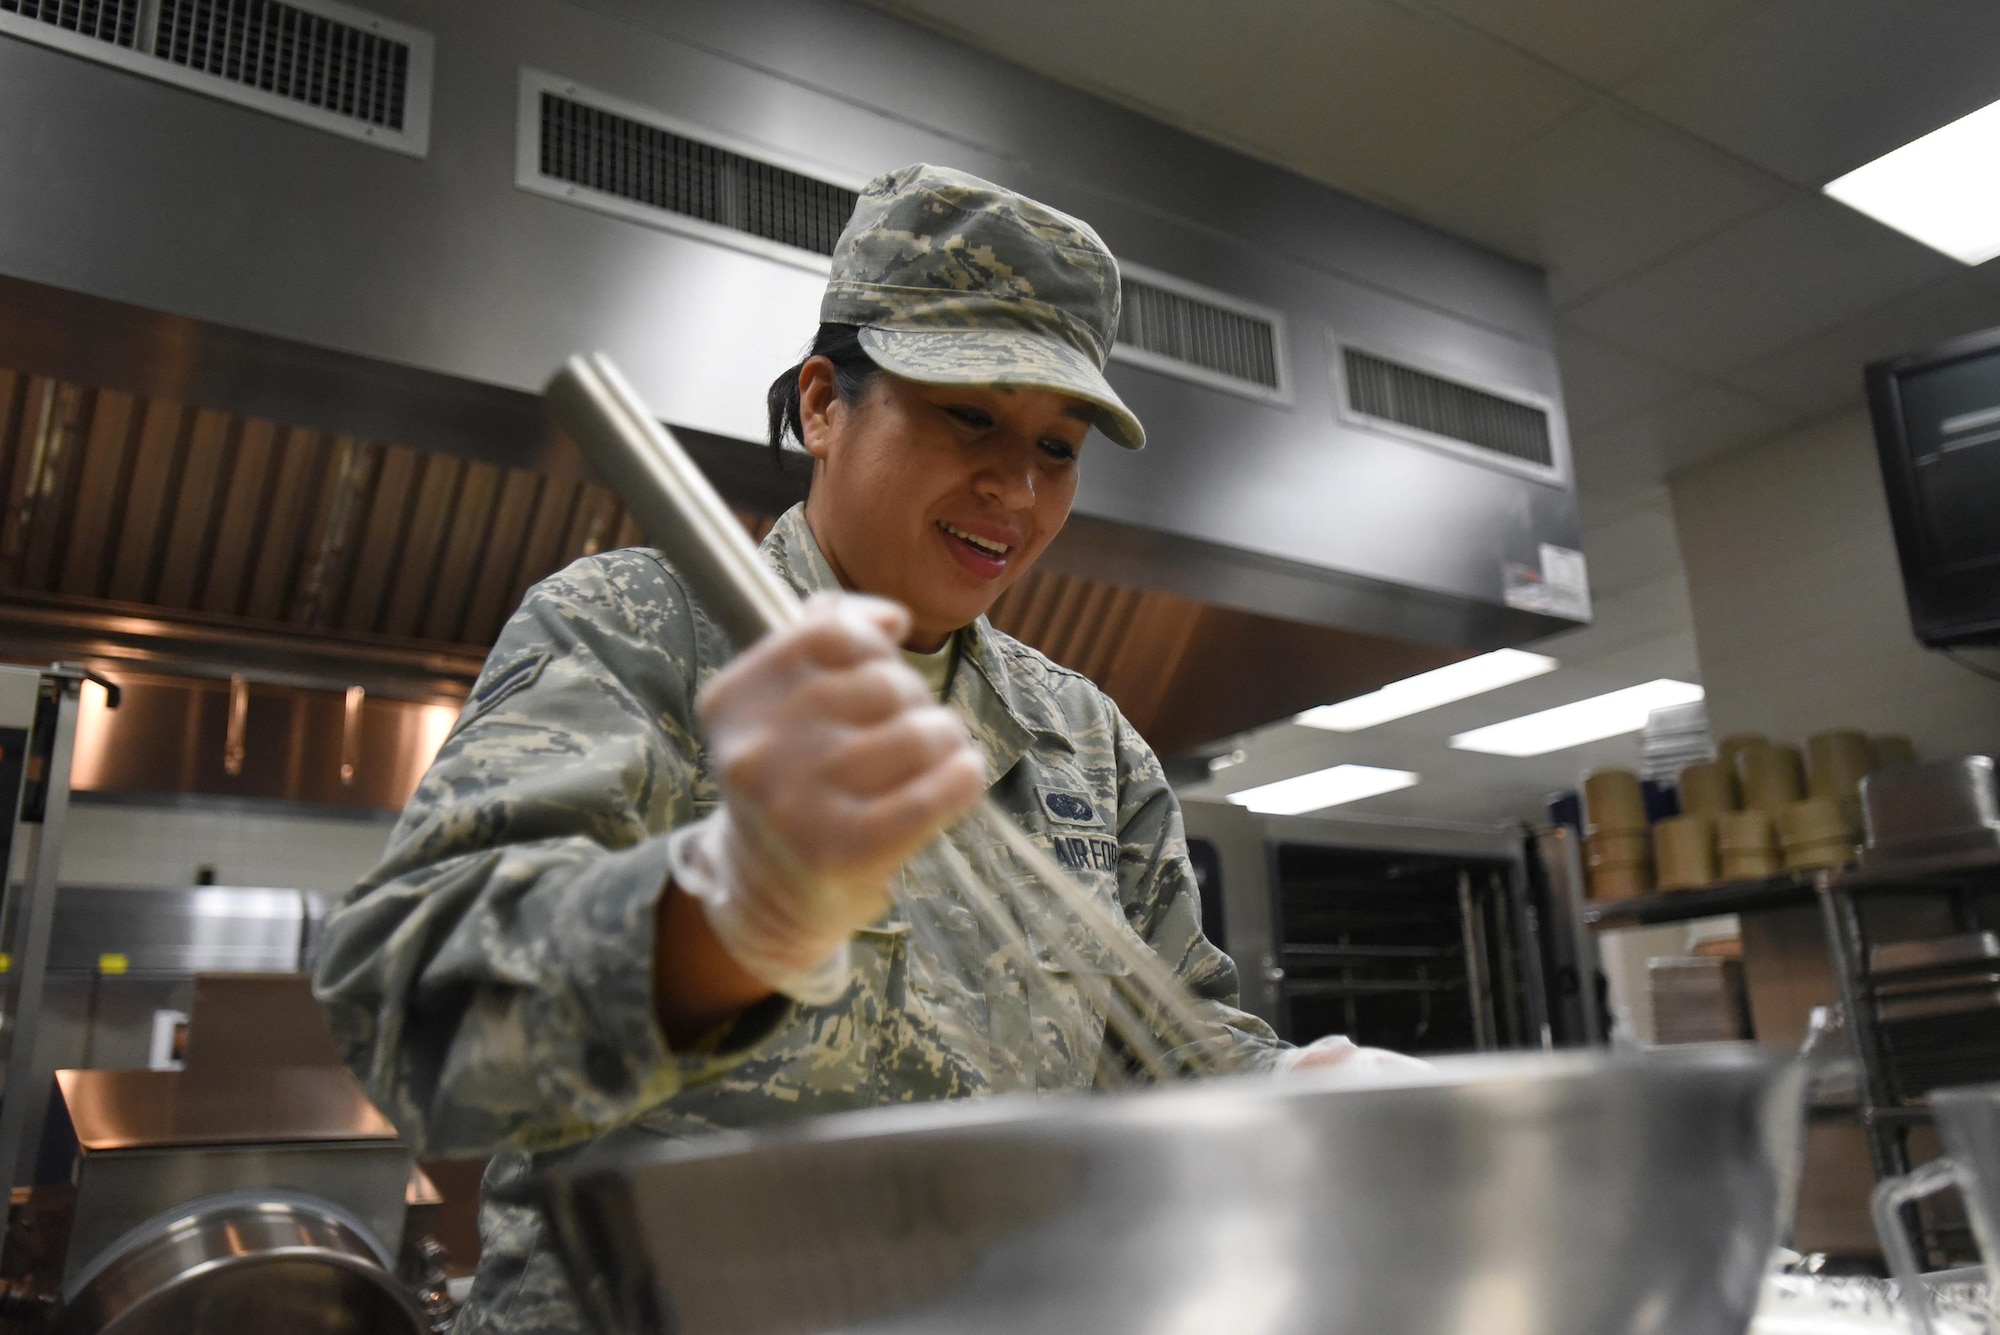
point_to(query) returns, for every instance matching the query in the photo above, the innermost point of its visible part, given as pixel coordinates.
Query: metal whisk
(685, 517)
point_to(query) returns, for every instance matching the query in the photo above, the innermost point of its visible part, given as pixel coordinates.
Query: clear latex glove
(836, 765)
(1355, 1065)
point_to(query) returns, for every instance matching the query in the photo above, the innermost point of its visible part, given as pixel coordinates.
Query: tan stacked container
(1816, 833)
(1707, 789)
(1772, 777)
(1617, 845)
(1684, 852)
(1840, 760)
(1747, 842)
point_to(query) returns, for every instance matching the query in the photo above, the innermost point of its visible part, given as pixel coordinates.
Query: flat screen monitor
(1937, 431)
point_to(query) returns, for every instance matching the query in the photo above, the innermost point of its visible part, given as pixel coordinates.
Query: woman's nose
(1010, 482)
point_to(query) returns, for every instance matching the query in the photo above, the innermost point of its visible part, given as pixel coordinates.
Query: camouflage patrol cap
(956, 281)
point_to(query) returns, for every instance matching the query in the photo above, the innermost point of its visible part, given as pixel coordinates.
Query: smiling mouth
(991, 548)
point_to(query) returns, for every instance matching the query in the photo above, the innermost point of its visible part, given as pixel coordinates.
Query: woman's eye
(976, 418)
(1058, 449)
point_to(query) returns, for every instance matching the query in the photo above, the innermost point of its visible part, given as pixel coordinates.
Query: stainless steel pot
(243, 1263)
(1563, 1194)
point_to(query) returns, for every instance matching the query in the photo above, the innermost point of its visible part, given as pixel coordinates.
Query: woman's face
(938, 496)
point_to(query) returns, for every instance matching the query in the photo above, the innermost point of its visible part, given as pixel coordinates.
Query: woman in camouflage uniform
(644, 890)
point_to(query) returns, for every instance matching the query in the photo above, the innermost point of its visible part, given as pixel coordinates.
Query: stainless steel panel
(118, 1190)
(121, 1019)
(180, 930)
(184, 205)
(1238, 840)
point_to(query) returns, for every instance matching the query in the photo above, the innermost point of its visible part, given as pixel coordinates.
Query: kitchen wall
(1799, 618)
(126, 844)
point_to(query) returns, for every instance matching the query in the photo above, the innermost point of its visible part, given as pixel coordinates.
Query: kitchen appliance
(1968, 1121)
(1414, 935)
(241, 1263)
(141, 1143)
(119, 985)
(1553, 1194)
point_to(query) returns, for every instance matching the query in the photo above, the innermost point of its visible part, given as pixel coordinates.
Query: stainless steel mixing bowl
(1503, 1195)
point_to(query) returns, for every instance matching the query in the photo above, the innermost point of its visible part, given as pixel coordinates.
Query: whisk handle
(674, 504)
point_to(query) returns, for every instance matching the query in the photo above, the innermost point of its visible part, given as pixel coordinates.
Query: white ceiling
(1662, 161)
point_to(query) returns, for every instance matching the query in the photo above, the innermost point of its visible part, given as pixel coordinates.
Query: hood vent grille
(1383, 392)
(115, 21)
(1209, 337)
(592, 149)
(316, 62)
(291, 52)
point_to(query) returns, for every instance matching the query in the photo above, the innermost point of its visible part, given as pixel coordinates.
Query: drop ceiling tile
(1365, 96)
(1823, 373)
(1603, 384)
(1602, 44)
(1635, 548)
(1770, 281)
(1387, 103)
(1160, 55)
(1704, 420)
(1814, 88)
(1601, 195)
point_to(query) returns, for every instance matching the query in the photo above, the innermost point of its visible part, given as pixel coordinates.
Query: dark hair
(853, 369)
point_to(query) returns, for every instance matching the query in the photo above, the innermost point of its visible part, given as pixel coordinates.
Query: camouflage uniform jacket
(490, 980)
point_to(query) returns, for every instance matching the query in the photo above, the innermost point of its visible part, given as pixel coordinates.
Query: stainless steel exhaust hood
(1356, 421)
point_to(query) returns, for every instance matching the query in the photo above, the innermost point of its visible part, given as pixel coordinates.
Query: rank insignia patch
(1069, 808)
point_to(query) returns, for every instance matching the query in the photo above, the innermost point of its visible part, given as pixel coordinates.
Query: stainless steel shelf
(1890, 875)
(1789, 890)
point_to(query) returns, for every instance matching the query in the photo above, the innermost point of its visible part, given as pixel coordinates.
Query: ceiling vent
(1509, 429)
(315, 62)
(604, 153)
(1199, 334)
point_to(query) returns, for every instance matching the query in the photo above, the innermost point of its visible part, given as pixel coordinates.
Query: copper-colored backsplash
(115, 501)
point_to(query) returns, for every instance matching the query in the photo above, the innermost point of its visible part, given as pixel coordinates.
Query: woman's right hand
(836, 765)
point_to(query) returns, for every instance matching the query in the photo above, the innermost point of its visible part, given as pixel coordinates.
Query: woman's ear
(820, 407)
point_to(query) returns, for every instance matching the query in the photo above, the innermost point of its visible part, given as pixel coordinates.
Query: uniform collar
(983, 692)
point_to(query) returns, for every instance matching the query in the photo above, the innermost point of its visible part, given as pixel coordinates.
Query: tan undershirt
(935, 668)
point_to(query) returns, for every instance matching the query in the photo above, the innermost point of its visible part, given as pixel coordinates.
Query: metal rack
(38, 714)
(1885, 1106)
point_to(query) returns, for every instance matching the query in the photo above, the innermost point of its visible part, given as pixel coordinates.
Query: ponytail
(853, 369)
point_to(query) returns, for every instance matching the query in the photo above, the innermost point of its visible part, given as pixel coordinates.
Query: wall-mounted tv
(1937, 430)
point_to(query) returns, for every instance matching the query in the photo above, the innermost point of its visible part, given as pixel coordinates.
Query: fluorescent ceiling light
(1428, 690)
(1589, 720)
(1322, 788)
(1941, 189)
